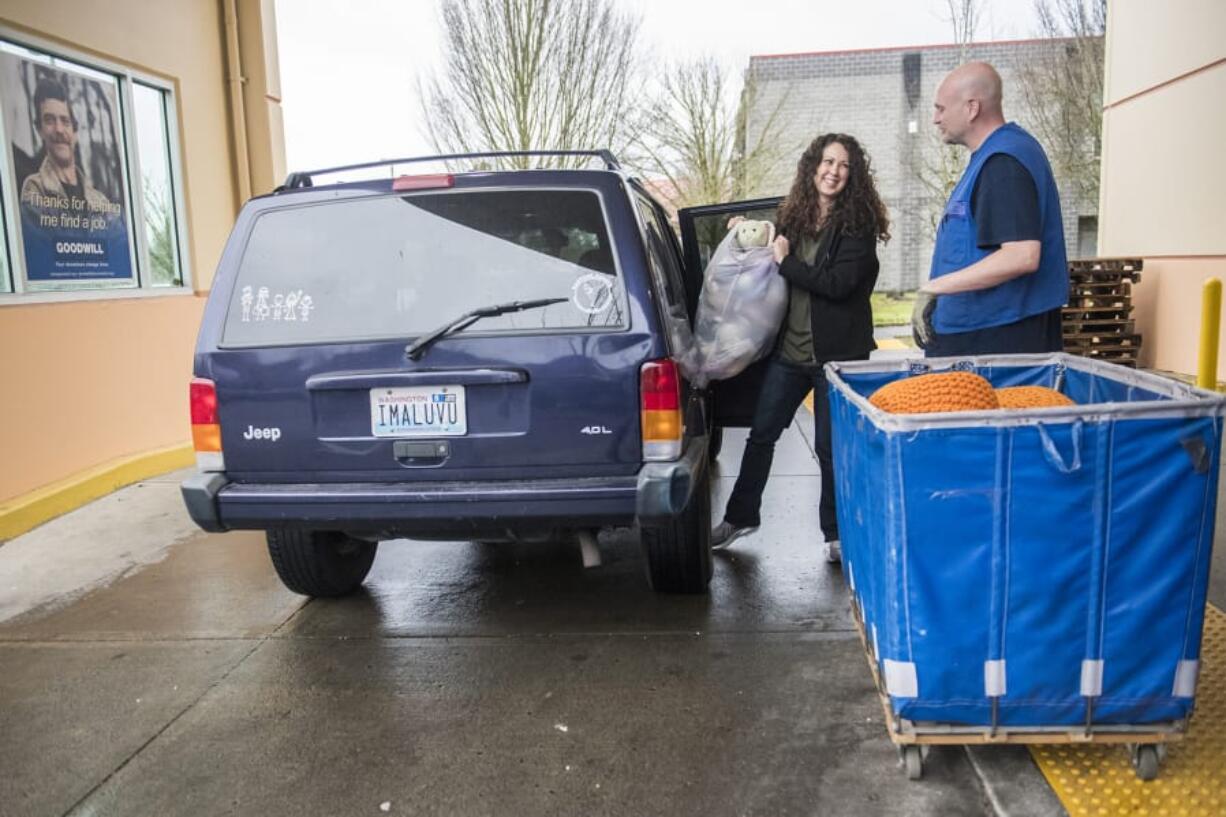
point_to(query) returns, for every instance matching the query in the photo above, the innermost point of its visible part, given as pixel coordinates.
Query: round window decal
(592, 294)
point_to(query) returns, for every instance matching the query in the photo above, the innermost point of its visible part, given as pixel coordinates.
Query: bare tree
(159, 215)
(964, 17)
(1063, 90)
(697, 140)
(534, 75)
(762, 147)
(936, 165)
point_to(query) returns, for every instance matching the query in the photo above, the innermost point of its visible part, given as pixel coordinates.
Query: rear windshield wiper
(415, 350)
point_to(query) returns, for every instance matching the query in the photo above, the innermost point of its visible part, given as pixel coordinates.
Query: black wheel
(913, 762)
(715, 443)
(1145, 761)
(320, 563)
(678, 554)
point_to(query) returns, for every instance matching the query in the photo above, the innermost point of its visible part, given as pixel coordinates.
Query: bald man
(999, 273)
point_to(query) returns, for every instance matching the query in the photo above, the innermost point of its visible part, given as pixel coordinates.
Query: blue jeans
(783, 390)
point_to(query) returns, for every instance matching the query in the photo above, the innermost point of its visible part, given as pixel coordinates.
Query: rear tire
(320, 563)
(678, 553)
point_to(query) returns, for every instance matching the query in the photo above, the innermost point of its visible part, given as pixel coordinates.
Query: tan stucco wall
(1168, 312)
(1151, 42)
(93, 381)
(85, 382)
(1164, 170)
(262, 71)
(1163, 167)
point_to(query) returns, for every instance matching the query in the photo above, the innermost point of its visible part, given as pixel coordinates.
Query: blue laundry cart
(1035, 575)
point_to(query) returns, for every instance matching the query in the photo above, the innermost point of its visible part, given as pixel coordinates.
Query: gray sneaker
(725, 533)
(834, 552)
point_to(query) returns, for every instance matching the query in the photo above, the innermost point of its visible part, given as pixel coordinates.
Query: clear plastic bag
(741, 307)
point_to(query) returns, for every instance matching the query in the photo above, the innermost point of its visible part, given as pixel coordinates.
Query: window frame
(125, 78)
(669, 310)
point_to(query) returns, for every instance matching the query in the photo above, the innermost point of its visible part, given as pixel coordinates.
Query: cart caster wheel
(1145, 760)
(913, 762)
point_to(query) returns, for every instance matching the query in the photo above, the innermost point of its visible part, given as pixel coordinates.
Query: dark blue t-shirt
(1005, 202)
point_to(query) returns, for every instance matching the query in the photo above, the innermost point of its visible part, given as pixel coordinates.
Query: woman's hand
(780, 248)
(735, 220)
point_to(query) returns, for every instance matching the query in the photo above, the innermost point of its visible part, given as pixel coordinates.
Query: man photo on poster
(65, 142)
(59, 176)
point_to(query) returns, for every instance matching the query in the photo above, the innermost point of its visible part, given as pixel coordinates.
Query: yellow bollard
(1210, 326)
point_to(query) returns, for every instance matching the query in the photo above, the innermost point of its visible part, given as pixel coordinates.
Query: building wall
(113, 384)
(884, 97)
(83, 382)
(1164, 170)
(262, 101)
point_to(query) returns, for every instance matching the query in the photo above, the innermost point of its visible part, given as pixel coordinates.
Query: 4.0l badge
(595, 430)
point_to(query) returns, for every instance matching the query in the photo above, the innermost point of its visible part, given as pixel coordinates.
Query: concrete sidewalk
(179, 677)
(150, 668)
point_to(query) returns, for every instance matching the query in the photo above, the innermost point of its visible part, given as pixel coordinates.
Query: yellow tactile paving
(1099, 780)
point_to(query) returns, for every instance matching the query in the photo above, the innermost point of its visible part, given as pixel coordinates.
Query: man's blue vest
(1046, 288)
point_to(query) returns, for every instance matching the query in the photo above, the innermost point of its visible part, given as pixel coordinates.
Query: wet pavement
(147, 668)
(464, 679)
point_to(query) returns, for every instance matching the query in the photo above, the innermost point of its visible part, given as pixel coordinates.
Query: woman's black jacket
(840, 285)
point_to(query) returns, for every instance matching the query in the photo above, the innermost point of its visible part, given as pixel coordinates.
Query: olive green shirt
(796, 344)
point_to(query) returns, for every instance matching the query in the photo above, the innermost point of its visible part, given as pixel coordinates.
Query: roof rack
(303, 178)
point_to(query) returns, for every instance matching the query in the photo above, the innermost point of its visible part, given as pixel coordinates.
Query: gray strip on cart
(900, 680)
(1092, 678)
(994, 678)
(1185, 679)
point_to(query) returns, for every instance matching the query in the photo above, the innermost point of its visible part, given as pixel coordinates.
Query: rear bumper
(657, 493)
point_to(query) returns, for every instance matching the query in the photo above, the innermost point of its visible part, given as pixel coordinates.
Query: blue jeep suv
(482, 356)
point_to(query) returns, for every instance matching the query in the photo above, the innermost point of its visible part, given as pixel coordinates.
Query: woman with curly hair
(829, 226)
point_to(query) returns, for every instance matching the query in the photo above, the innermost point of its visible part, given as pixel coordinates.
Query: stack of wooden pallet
(1098, 320)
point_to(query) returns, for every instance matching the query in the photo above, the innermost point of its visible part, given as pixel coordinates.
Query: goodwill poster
(63, 127)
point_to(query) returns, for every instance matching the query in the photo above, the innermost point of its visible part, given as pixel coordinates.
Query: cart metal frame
(1146, 742)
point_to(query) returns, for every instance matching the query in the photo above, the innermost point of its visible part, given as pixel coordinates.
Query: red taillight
(424, 181)
(206, 432)
(660, 386)
(660, 398)
(204, 402)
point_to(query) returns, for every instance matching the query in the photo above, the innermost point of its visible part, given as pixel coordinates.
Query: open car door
(702, 228)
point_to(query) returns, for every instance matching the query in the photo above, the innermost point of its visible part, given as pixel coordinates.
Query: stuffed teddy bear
(753, 234)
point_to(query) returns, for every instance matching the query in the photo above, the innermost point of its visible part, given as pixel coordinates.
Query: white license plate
(418, 411)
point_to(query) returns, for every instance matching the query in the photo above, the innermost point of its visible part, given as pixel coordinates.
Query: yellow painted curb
(1099, 780)
(893, 344)
(21, 513)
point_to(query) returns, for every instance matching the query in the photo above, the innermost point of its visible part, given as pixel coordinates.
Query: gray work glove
(921, 318)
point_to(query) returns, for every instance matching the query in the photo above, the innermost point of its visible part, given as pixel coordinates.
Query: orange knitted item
(928, 393)
(1023, 397)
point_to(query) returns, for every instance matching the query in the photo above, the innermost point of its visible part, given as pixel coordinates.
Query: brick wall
(884, 99)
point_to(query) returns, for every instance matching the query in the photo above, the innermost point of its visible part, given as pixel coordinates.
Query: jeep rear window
(399, 266)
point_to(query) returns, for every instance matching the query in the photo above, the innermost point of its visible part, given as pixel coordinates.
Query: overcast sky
(349, 68)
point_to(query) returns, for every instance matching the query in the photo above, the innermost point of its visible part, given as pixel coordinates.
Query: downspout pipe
(238, 113)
